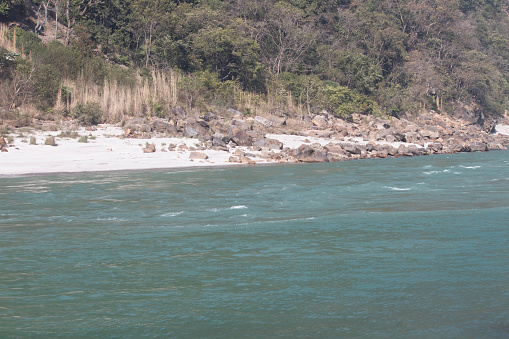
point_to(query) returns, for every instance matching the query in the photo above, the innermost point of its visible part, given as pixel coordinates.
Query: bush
(69, 134)
(88, 114)
(50, 141)
(83, 139)
(33, 141)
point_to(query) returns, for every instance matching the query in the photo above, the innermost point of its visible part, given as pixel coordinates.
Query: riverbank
(189, 142)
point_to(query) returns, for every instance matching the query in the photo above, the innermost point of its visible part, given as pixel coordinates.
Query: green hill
(143, 57)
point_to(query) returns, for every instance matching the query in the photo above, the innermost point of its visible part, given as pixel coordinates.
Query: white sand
(106, 152)
(502, 129)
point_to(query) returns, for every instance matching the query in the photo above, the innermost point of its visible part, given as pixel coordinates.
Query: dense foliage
(345, 56)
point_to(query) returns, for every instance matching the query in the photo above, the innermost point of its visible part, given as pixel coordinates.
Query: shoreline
(108, 150)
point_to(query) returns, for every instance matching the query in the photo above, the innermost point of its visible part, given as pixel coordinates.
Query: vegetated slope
(388, 57)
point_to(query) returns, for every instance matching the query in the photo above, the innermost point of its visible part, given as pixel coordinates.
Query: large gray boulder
(262, 121)
(178, 112)
(306, 153)
(239, 137)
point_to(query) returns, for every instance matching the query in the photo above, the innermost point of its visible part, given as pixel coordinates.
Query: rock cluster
(358, 138)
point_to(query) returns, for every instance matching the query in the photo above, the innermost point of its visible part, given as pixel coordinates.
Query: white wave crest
(171, 214)
(397, 188)
(238, 207)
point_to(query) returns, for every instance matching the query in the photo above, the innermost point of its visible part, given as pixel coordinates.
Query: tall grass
(146, 97)
(152, 95)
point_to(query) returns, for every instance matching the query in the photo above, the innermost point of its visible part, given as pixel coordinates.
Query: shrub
(83, 139)
(88, 114)
(50, 141)
(33, 141)
(69, 134)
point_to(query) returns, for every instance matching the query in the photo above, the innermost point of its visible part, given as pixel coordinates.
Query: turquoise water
(394, 248)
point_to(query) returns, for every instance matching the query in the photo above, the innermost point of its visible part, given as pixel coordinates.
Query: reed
(119, 101)
(5, 41)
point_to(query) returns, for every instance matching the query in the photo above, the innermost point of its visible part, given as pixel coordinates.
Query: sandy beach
(106, 150)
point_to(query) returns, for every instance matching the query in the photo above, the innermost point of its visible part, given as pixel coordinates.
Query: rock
(239, 136)
(236, 114)
(190, 131)
(262, 121)
(320, 121)
(219, 139)
(306, 153)
(277, 122)
(268, 143)
(336, 149)
(352, 148)
(435, 147)
(241, 124)
(274, 144)
(478, 147)
(246, 160)
(412, 137)
(198, 156)
(163, 127)
(178, 112)
(150, 148)
(261, 143)
(317, 133)
(3, 145)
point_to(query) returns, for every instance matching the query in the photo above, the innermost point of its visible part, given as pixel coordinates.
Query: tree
(226, 52)
(286, 35)
(147, 18)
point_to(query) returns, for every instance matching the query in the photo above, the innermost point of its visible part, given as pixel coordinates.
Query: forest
(112, 59)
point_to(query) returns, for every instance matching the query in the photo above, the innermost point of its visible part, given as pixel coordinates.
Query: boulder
(178, 112)
(219, 139)
(352, 148)
(317, 133)
(478, 147)
(274, 144)
(236, 114)
(277, 122)
(320, 121)
(412, 137)
(198, 156)
(333, 149)
(239, 136)
(191, 131)
(241, 124)
(262, 121)
(150, 148)
(246, 160)
(306, 153)
(163, 127)
(261, 143)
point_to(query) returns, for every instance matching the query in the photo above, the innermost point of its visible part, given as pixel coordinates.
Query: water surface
(407, 247)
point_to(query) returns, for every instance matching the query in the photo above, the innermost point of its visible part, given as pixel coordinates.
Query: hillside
(115, 60)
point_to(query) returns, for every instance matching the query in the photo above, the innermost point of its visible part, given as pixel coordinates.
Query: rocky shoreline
(214, 140)
(362, 137)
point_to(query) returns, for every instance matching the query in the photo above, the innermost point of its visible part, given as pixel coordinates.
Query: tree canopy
(395, 55)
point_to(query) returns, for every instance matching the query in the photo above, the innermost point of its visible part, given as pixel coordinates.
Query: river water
(393, 248)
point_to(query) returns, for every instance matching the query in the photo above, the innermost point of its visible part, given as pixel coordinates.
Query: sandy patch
(104, 151)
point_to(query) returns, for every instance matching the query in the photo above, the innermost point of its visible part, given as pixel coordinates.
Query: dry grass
(5, 42)
(147, 97)
(118, 101)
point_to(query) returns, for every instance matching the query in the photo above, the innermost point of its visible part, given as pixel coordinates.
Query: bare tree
(75, 9)
(42, 15)
(287, 35)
